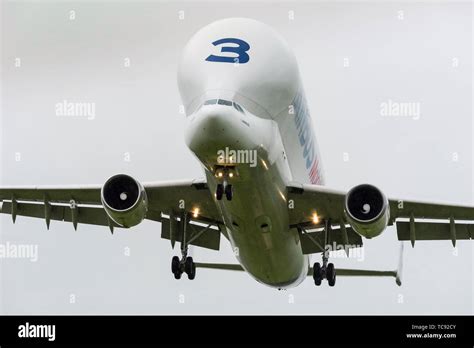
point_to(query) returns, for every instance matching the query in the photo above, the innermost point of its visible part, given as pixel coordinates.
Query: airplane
(249, 126)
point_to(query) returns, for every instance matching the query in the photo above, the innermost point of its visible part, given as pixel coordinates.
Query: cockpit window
(224, 102)
(238, 108)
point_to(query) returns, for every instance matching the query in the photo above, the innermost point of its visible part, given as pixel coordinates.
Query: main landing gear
(224, 188)
(186, 263)
(326, 270)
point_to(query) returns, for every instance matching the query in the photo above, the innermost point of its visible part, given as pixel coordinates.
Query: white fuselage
(246, 110)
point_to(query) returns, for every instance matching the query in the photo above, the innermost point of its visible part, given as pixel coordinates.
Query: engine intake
(124, 199)
(367, 210)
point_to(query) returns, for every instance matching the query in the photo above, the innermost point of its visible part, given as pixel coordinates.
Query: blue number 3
(240, 50)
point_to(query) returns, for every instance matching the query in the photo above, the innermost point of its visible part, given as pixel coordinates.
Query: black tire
(331, 274)
(188, 264)
(228, 192)
(219, 191)
(175, 264)
(317, 275)
(192, 274)
(190, 268)
(177, 275)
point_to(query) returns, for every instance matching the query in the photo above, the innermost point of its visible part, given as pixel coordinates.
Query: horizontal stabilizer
(222, 266)
(346, 272)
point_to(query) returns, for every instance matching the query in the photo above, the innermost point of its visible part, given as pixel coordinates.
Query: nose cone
(210, 124)
(213, 128)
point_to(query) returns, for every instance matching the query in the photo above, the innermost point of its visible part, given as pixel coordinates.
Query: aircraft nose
(211, 123)
(211, 130)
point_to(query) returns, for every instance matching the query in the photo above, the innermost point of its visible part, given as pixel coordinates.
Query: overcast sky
(353, 57)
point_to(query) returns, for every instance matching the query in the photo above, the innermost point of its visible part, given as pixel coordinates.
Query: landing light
(315, 218)
(196, 212)
(219, 174)
(231, 175)
(282, 195)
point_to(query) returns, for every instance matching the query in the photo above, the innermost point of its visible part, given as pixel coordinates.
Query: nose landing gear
(224, 188)
(228, 192)
(219, 191)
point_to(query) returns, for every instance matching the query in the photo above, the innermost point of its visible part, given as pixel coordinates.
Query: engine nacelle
(124, 199)
(367, 210)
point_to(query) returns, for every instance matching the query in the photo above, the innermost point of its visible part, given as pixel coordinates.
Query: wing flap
(202, 236)
(221, 266)
(313, 242)
(435, 231)
(85, 214)
(426, 210)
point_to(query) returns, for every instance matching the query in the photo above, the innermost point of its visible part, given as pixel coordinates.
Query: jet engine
(367, 210)
(124, 199)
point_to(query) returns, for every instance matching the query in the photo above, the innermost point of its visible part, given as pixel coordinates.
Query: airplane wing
(413, 220)
(82, 205)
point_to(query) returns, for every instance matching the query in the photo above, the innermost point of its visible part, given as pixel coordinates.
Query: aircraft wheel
(228, 192)
(331, 274)
(190, 268)
(219, 191)
(317, 274)
(177, 275)
(175, 264)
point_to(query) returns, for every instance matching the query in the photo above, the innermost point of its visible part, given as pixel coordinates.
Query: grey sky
(352, 57)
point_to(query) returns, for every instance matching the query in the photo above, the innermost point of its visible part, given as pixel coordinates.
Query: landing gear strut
(326, 270)
(224, 188)
(186, 263)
